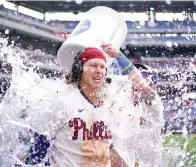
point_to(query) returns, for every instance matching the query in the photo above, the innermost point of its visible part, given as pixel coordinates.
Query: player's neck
(89, 92)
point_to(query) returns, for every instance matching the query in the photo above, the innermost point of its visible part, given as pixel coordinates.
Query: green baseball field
(186, 143)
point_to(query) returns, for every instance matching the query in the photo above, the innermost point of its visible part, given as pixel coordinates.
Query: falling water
(29, 89)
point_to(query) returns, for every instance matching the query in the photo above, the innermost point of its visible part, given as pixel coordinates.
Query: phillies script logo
(83, 27)
(97, 131)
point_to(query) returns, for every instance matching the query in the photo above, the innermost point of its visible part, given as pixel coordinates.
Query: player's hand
(110, 50)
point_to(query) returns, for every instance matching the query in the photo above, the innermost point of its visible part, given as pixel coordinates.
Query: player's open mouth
(97, 79)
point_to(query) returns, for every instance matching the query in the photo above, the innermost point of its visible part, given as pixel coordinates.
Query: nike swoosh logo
(80, 110)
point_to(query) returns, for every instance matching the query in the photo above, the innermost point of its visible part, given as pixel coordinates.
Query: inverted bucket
(100, 24)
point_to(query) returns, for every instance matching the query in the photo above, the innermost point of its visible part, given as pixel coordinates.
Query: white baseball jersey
(80, 133)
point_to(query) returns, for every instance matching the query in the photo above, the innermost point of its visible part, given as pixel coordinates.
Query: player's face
(93, 73)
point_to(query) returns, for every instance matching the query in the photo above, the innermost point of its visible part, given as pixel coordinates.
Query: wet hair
(74, 76)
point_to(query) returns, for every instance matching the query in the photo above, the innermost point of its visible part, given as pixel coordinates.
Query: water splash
(34, 91)
(27, 89)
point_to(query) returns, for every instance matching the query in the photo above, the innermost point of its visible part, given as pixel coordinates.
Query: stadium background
(161, 34)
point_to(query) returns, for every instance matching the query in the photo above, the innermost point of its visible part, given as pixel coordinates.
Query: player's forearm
(137, 79)
(127, 68)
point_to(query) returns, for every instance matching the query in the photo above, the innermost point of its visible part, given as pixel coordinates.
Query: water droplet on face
(85, 68)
